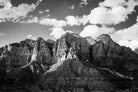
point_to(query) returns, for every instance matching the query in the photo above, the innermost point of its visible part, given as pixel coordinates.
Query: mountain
(71, 64)
(136, 50)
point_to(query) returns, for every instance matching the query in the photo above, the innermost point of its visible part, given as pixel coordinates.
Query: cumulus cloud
(127, 37)
(130, 33)
(112, 3)
(105, 16)
(71, 20)
(84, 2)
(112, 12)
(31, 37)
(75, 20)
(47, 11)
(9, 12)
(33, 20)
(109, 12)
(133, 44)
(53, 22)
(94, 31)
(57, 32)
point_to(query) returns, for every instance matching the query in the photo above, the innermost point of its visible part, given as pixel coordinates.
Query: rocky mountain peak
(69, 34)
(90, 40)
(70, 63)
(74, 43)
(136, 50)
(104, 38)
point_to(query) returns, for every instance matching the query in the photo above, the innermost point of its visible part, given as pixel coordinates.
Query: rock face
(136, 50)
(71, 64)
(107, 53)
(90, 40)
(19, 54)
(105, 67)
(71, 43)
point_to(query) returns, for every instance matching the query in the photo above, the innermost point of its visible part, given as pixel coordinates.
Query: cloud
(102, 15)
(127, 37)
(31, 37)
(11, 13)
(94, 31)
(112, 12)
(84, 2)
(112, 3)
(57, 32)
(130, 33)
(41, 12)
(133, 44)
(75, 20)
(53, 22)
(31, 20)
(71, 20)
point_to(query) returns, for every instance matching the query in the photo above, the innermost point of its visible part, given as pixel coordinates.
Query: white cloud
(117, 12)
(84, 2)
(75, 20)
(127, 37)
(53, 22)
(47, 11)
(107, 13)
(71, 20)
(130, 33)
(94, 31)
(33, 20)
(112, 3)
(133, 44)
(31, 37)
(8, 12)
(102, 15)
(57, 32)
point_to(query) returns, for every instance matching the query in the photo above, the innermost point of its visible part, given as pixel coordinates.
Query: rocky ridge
(71, 64)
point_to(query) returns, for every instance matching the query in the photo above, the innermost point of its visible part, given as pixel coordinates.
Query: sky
(29, 19)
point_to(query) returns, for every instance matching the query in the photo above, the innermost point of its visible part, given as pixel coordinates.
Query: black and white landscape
(68, 45)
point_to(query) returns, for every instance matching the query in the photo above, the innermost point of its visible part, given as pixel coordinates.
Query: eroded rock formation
(71, 64)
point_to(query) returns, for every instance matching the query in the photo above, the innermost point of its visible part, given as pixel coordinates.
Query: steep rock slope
(108, 54)
(20, 54)
(71, 64)
(103, 67)
(136, 50)
(71, 43)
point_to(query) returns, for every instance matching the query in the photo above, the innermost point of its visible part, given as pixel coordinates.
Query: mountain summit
(71, 64)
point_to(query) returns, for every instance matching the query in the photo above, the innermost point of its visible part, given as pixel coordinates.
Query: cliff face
(20, 54)
(72, 42)
(136, 50)
(71, 64)
(102, 66)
